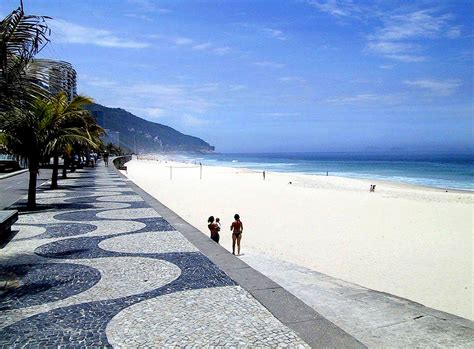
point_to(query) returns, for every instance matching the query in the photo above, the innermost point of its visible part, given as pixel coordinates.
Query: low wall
(119, 161)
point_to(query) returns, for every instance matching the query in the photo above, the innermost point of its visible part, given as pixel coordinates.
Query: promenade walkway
(97, 266)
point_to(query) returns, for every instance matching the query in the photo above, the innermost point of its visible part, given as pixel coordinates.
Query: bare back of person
(237, 227)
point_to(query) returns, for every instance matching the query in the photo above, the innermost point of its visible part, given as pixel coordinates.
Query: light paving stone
(109, 205)
(117, 189)
(121, 198)
(105, 228)
(46, 217)
(86, 202)
(27, 231)
(149, 242)
(132, 213)
(50, 194)
(223, 316)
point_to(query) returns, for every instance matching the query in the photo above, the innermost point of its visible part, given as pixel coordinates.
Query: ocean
(446, 171)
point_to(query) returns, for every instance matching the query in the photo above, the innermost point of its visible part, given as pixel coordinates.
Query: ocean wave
(441, 174)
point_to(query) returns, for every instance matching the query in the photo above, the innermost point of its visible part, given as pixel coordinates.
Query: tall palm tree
(24, 133)
(23, 82)
(22, 78)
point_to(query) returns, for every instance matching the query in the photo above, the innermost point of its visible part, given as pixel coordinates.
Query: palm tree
(71, 124)
(45, 130)
(23, 82)
(23, 79)
(23, 133)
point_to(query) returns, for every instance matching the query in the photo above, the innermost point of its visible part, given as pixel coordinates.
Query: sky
(277, 76)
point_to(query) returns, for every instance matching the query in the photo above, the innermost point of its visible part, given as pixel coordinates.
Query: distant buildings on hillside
(63, 77)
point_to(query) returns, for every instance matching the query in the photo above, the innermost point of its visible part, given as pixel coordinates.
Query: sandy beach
(413, 242)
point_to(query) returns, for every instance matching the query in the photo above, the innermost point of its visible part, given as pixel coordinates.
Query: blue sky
(251, 76)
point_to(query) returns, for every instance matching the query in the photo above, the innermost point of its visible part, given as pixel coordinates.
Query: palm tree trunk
(65, 163)
(32, 185)
(73, 167)
(54, 177)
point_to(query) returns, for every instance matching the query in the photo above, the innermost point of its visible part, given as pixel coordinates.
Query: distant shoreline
(369, 180)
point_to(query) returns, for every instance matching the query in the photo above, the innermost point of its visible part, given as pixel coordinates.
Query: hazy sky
(288, 75)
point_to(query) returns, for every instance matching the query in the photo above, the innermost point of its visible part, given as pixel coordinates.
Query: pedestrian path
(97, 266)
(377, 319)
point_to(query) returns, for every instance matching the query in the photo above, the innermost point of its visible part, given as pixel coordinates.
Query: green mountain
(132, 132)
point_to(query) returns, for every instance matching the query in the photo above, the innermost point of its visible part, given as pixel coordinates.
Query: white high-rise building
(63, 77)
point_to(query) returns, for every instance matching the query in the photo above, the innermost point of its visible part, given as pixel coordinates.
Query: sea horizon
(450, 171)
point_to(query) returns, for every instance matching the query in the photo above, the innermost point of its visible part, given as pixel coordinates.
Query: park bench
(7, 218)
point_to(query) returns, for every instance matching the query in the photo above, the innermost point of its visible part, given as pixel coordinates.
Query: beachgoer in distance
(237, 228)
(106, 159)
(214, 229)
(263, 175)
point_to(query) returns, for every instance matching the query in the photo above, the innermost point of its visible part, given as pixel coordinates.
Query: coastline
(403, 239)
(370, 180)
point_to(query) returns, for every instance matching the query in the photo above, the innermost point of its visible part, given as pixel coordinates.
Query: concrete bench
(7, 218)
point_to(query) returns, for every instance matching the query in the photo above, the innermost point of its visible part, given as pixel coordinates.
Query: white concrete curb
(11, 174)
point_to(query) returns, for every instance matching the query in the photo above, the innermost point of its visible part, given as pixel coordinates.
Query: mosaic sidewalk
(97, 266)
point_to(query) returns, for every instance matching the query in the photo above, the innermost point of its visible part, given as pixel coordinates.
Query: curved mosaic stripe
(74, 248)
(27, 231)
(66, 201)
(212, 317)
(120, 278)
(87, 246)
(85, 215)
(149, 242)
(132, 213)
(85, 324)
(57, 230)
(43, 283)
(78, 211)
(107, 228)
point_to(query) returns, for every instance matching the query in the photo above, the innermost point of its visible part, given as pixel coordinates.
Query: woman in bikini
(236, 228)
(214, 229)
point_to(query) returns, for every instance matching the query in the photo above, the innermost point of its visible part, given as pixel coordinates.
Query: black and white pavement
(96, 266)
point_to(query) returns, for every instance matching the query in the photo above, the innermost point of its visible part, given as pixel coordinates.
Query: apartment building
(63, 77)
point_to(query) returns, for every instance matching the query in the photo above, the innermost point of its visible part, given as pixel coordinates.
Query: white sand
(412, 242)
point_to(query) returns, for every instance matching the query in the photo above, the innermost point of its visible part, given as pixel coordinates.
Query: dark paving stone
(43, 283)
(90, 215)
(62, 230)
(154, 224)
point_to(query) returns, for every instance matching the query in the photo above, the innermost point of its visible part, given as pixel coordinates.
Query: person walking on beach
(214, 229)
(237, 228)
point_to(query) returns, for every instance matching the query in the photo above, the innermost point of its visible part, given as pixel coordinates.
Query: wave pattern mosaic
(96, 266)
